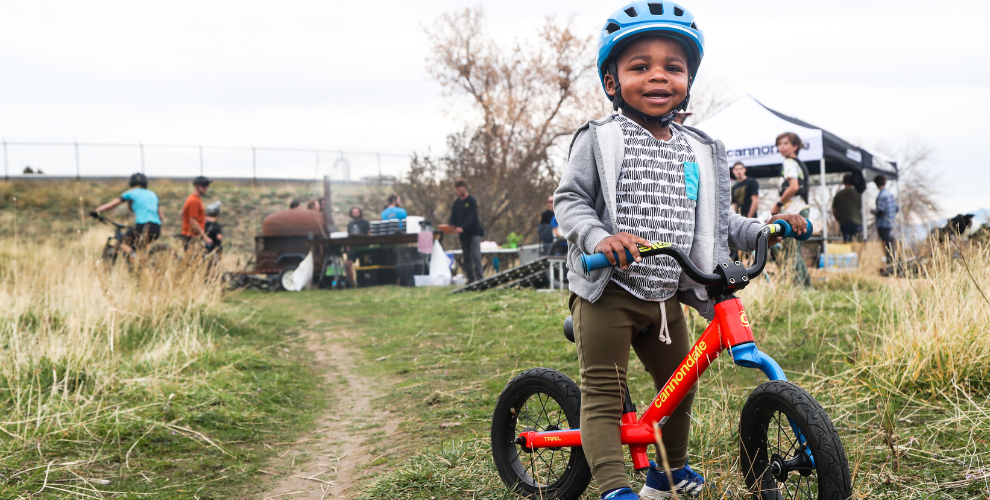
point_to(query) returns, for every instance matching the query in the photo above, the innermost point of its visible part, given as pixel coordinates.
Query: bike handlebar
(105, 220)
(781, 227)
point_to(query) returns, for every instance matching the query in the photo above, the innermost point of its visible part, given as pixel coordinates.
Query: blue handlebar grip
(599, 261)
(789, 232)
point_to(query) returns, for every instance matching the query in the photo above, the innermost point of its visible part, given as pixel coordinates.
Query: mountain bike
(788, 446)
(111, 250)
(112, 247)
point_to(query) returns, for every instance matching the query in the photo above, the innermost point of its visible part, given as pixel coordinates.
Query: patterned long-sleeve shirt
(654, 201)
(886, 209)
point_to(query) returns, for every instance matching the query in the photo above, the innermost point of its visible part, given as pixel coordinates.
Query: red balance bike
(788, 447)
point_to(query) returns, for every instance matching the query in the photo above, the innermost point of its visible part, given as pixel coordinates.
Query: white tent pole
(824, 214)
(900, 223)
(866, 230)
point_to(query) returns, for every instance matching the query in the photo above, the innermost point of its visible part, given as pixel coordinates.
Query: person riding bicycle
(632, 178)
(147, 214)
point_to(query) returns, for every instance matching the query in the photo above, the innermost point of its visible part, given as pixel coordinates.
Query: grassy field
(445, 358)
(143, 384)
(112, 388)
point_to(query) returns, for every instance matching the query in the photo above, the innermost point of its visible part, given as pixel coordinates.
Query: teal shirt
(393, 213)
(144, 204)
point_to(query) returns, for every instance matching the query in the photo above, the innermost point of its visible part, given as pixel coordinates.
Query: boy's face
(355, 214)
(653, 74)
(785, 147)
(462, 192)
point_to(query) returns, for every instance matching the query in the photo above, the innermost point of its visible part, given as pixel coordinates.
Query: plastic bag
(303, 274)
(439, 266)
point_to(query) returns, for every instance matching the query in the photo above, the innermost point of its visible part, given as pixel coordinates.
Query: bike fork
(749, 356)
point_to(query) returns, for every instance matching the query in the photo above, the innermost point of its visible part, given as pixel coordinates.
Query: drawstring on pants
(664, 330)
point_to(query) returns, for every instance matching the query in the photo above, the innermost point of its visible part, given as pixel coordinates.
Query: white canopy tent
(749, 129)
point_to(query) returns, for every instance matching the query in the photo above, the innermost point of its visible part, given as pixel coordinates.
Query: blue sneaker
(686, 482)
(620, 494)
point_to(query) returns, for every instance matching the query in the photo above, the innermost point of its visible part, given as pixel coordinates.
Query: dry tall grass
(76, 335)
(61, 305)
(935, 329)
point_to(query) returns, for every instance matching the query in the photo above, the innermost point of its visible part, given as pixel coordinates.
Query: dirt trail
(323, 464)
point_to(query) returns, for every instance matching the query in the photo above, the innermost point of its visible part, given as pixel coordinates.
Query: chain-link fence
(31, 160)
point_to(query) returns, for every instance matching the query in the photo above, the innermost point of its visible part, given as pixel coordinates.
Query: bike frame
(730, 330)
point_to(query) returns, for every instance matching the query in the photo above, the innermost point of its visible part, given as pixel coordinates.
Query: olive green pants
(604, 331)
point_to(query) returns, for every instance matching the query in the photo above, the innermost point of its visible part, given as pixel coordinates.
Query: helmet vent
(656, 9)
(612, 28)
(694, 26)
(631, 12)
(678, 11)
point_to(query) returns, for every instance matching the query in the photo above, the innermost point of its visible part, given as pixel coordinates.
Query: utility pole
(824, 214)
(316, 173)
(141, 147)
(254, 167)
(6, 174)
(200, 159)
(77, 159)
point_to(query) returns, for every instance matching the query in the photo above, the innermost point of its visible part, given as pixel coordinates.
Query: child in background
(632, 178)
(213, 229)
(793, 200)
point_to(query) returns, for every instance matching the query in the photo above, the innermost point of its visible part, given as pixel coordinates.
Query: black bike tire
(565, 393)
(831, 464)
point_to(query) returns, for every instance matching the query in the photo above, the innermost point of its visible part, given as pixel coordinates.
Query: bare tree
(919, 187)
(523, 100)
(708, 96)
(820, 199)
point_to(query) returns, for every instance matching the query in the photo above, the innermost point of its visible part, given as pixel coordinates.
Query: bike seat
(569, 329)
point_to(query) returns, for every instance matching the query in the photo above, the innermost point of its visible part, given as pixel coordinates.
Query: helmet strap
(618, 103)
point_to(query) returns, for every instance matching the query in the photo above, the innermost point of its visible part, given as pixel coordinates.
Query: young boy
(633, 178)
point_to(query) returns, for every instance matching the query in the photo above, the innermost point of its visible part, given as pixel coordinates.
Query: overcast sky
(350, 75)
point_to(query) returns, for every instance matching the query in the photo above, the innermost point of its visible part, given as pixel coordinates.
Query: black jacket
(464, 213)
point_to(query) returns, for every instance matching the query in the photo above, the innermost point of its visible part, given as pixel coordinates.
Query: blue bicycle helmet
(642, 18)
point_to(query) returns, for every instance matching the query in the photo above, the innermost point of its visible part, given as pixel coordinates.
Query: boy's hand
(617, 244)
(798, 224)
